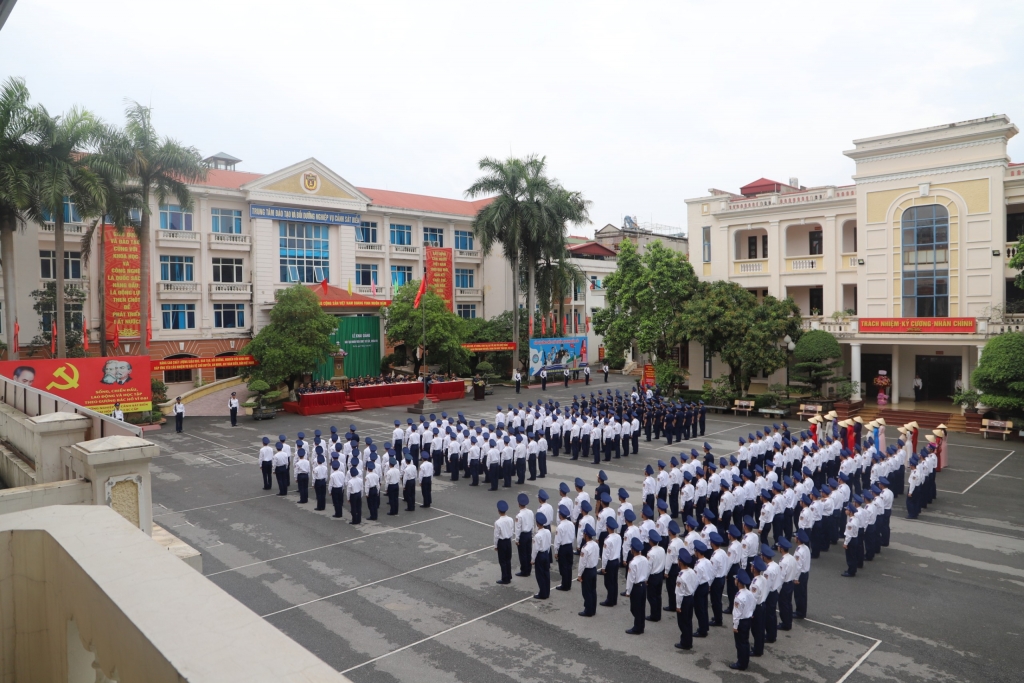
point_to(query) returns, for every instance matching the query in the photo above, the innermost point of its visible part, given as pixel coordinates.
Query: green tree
(445, 331)
(295, 341)
(45, 305)
(1000, 373)
(624, 298)
(818, 358)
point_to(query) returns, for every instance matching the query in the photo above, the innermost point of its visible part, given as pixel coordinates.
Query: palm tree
(66, 146)
(162, 168)
(556, 281)
(17, 127)
(559, 207)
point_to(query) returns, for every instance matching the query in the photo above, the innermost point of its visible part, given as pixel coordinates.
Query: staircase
(925, 419)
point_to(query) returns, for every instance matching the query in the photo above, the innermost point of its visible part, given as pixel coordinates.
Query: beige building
(906, 266)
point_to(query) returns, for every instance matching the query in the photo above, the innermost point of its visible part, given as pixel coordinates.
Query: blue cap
(699, 547)
(654, 537)
(766, 551)
(563, 487)
(602, 476)
(523, 499)
(302, 435)
(716, 538)
(687, 476)
(743, 577)
(502, 506)
(335, 464)
(776, 486)
(606, 498)
(585, 506)
(710, 514)
(542, 519)
(648, 470)
(784, 543)
(580, 483)
(265, 441)
(673, 527)
(758, 563)
(612, 524)
(662, 505)
(661, 464)
(647, 511)
(749, 521)
(674, 461)
(564, 511)
(623, 493)
(629, 516)
(281, 437)
(354, 472)
(690, 521)
(803, 537)
(805, 499)
(589, 531)
(883, 481)
(542, 494)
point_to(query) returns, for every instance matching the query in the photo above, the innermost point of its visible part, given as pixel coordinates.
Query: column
(965, 365)
(776, 258)
(981, 347)
(831, 294)
(855, 370)
(895, 374)
(118, 469)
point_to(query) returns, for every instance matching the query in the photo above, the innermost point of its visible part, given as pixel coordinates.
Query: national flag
(350, 286)
(323, 286)
(419, 293)
(373, 287)
(17, 332)
(53, 337)
(149, 332)
(531, 325)
(543, 325)
(117, 335)
(85, 339)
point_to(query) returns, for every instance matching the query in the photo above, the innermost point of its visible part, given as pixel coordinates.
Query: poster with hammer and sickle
(94, 383)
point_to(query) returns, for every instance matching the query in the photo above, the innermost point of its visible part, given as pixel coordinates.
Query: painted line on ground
(329, 545)
(863, 657)
(988, 473)
(436, 635)
(468, 519)
(203, 507)
(374, 583)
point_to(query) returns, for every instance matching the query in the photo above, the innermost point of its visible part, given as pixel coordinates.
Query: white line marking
(468, 519)
(863, 657)
(989, 472)
(203, 507)
(374, 583)
(329, 545)
(985, 448)
(423, 640)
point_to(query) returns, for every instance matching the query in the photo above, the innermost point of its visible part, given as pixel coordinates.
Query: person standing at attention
(118, 414)
(604, 369)
(266, 464)
(918, 388)
(233, 409)
(179, 415)
(517, 377)
(504, 527)
(543, 380)
(586, 375)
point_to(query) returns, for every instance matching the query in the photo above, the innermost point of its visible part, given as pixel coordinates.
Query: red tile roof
(231, 180)
(419, 202)
(337, 297)
(591, 249)
(760, 186)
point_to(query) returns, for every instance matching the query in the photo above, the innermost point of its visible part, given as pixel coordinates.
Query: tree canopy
(818, 358)
(445, 331)
(295, 341)
(1000, 373)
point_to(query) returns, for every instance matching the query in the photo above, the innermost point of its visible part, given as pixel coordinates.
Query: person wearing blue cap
(802, 555)
(565, 533)
(371, 488)
(425, 477)
(302, 471)
(682, 593)
(523, 534)
(636, 585)
(320, 474)
(392, 485)
(583, 518)
(492, 460)
(773, 581)
(705, 575)
(720, 566)
(788, 574)
(280, 465)
(587, 571)
(611, 551)
(759, 587)
(336, 489)
(504, 528)
(540, 556)
(649, 487)
(409, 476)
(656, 561)
(354, 488)
(266, 460)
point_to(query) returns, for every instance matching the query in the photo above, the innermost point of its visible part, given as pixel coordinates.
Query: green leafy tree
(295, 341)
(1000, 373)
(445, 331)
(624, 295)
(45, 304)
(818, 358)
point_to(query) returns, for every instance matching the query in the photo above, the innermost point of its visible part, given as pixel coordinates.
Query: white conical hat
(880, 420)
(914, 424)
(859, 419)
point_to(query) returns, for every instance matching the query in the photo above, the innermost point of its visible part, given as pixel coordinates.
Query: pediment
(307, 182)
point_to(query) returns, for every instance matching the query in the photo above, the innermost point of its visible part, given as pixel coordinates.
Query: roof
(420, 202)
(223, 156)
(231, 180)
(336, 297)
(762, 185)
(591, 249)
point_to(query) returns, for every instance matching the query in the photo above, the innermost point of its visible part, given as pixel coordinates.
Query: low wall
(14, 471)
(72, 492)
(167, 408)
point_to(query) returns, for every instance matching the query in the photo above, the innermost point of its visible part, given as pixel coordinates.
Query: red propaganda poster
(918, 325)
(121, 280)
(648, 378)
(95, 383)
(440, 275)
(193, 363)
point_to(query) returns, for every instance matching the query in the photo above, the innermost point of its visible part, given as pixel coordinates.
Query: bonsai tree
(485, 369)
(1000, 373)
(818, 357)
(263, 394)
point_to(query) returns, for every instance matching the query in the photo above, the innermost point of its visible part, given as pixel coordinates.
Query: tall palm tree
(17, 128)
(560, 207)
(162, 168)
(556, 280)
(66, 146)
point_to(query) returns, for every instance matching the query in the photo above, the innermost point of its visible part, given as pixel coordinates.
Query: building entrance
(938, 376)
(870, 364)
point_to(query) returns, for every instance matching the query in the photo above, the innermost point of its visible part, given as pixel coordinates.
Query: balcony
(1011, 250)
(230, 291)
(181, 239)
(468, 255)
(178, 290)
(800, 264)
(69, 228)
(229, 241)
(405, 251)
(469, 292)
(367, 290)
(750, 267)
(841, 327)
(370, 248)
(848, 262)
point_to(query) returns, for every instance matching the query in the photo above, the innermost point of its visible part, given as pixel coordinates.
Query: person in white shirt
(320, 474)
(743, 608)
(371, 489)
(280, 465)
(504, 528)
(118, 414)
(564, 534)
(523, 534)
(720, 565)
(392, 485)
(802, 554)
(587, 571)
(636, 585)
(266, 463)
(611, 552)
(336, 489)
(683, 592)
(179, 415)
(517, 377)
(409, 476)
(789, 572)
(302, 471)
(354, 487)
(233, 409)
(540, 553)
(656, 560)
(705, 575)
(424, 478)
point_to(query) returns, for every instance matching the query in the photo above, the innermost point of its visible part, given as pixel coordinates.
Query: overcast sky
(637, 105)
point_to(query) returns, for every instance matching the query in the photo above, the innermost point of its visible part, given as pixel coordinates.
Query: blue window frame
(400, 275)
(401, 234)
(925, 243)
(177, 268)
(173, 217)
(464, 240)
(304, 252)
(71, 214)
(226, 220)
(464, 278)
(366, 232)
(366, 273)
(178, 316)
(467, 311)
(433, 237)
(229, 315)
(705, 233)
(48, 264)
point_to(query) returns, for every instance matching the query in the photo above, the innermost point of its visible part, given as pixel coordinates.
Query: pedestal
(422, 407)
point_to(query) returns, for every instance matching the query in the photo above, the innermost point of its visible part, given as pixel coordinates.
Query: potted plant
(258, 407)
(844, 406)
(883, 382)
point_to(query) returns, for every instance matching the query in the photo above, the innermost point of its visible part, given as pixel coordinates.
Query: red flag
(17, 332)
(117, 336)
(149, 332)
(419, 293)
(531, 325)
(544, 325)
(85, 339)
(53, 337)
(323, 286)
(373, 287)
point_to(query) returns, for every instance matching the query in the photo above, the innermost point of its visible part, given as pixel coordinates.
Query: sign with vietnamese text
(918, 325)
(485, 347)
(94, 383)
(198, 363)
(438, 262)
(648, 377)
(121, 281)
(287, 213)
(557, 353)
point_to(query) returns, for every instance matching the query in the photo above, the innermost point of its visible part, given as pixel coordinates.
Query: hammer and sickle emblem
(69, 382)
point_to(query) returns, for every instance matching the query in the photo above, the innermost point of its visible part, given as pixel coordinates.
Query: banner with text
(648, 377)
(557, 353)
(121, 278)
(95, 383)
(918, 325)
(199, 363)
(440, 275)
(486, 347)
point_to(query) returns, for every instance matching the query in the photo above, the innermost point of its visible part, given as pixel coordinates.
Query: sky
(639, 106)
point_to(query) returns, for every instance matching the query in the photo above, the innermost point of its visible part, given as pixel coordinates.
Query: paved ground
(216, 403)
(413, 597)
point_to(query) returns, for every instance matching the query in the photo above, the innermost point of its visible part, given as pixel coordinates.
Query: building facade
(906, 266)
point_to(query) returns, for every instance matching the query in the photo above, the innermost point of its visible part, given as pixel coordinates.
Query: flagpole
(423, 310)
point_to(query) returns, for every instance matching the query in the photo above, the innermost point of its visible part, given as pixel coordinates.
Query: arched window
(926, 262)
(177, 376)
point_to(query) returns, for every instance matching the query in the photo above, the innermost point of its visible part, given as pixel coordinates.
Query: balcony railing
(1011, 250)
(803, 263)
(750, 267)
(230, 288)
(228, 240)
(178, 288)
(178, 238)
(367, 290)
(69, 228)
(370, 246)
(842, 326)
(467, 291)
(473, 254)
(407, 250)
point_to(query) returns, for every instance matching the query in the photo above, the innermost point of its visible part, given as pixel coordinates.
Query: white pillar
(981, 347)
(965, 365)
(855, 370)
(895, 374)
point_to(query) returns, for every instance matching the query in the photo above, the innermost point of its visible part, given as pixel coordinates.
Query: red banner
(648, 377)
(194, 363)
(918, 325)
(95, 383)
(121, 277)
(440, 275)
(481, 347)
(349, 303)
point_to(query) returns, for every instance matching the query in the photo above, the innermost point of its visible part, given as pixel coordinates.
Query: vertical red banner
(440, 274)
(121, 282)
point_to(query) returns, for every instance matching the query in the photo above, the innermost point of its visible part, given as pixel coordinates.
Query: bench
(744, 407)
(773, 412)
(996, 427)
(808, 410)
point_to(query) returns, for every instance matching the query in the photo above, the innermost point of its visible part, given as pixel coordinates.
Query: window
(172, 217)
(707, 364)
(71, 214)
(464, 278)
(177, 268)
(926, 261)
(764, 246)
(752, 246)
(48, 264)
(401, 234)
(400, 275)
(433, 237)
(1014, 226)
(174, 376)
(467, 311)
(225, 373)
(305, 252)
(367, 232)
(816, 300)
(229, 315)
(71, 311)
(464, 240)
(227, 270)
(178, 316)
(226, 220)
(366, 274)
(706, 241)
(815, 246)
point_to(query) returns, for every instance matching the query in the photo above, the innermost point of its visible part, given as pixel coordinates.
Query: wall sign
(918, 325)
(287, 213)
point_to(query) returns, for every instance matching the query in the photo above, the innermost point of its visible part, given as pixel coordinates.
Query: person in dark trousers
(392, 482)
(787, 564)
(742, 618)
(589, 558)
(586, 375)
(541, 559)
(504, 527)
(543, 380)
(266, 464)
(702, 412)
(179, 415)
(355, 495)
(803, 561)
(704, 570)
(336, 483)
(302, 476)
(517, 377)
(636, 585)
(683, 590)
(656, 579)
(524, 535)
(565, 378)
(604, 369)
(758, 586)
(233, 409)
(320, 474)
(564, 535)
(372, 482)
(611, 552)
(280, 464)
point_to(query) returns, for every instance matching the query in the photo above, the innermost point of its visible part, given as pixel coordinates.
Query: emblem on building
(310, 182)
